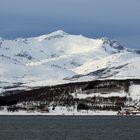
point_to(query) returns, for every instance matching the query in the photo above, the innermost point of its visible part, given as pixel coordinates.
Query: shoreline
(81, 113)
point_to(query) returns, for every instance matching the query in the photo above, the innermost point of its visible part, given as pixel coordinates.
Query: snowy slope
(60, 57)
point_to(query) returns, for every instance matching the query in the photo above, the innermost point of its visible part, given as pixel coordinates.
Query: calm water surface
(69, 128)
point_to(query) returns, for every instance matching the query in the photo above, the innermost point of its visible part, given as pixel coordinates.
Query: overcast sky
(115, 19)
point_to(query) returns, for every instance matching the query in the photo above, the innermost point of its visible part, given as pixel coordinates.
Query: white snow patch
(134, 91)
(112, 94)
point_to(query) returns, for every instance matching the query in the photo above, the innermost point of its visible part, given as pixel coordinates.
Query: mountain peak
(53, 35)
(112, 43)
(58, 32)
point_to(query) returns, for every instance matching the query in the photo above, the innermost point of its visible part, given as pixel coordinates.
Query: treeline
(60, 94)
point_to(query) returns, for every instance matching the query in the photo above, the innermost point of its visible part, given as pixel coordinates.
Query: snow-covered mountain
(59, 58)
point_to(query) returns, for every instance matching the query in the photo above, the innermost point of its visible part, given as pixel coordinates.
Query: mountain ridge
(61, 58)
